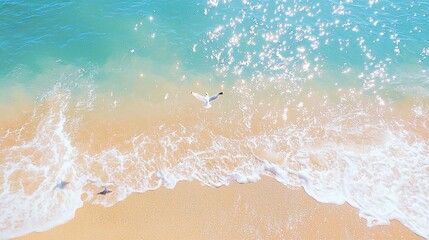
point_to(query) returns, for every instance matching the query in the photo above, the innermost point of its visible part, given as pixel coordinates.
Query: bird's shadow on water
(104, 192)
(61, 185)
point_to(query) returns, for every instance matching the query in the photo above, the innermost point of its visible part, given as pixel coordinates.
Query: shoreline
(265, 209)
(236, 210)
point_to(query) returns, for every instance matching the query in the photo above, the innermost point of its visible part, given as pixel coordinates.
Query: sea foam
(375, 164)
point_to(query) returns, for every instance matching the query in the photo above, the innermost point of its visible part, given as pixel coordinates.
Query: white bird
(206, 99)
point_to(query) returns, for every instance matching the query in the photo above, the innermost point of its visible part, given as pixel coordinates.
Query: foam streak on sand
(376, 165)
(35, 158)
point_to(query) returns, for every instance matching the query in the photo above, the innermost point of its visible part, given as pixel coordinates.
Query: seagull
(104, 192)
(206, 99)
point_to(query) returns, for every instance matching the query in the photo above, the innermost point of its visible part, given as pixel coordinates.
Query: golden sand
(262, 210)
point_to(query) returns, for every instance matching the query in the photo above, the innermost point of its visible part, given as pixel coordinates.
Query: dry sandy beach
(262, 210)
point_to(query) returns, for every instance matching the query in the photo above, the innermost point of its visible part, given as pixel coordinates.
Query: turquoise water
(345, 84)
(356, 35)
(82, 32)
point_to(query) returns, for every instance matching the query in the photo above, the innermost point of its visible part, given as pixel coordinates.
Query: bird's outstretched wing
(215, 96)
(198, 96)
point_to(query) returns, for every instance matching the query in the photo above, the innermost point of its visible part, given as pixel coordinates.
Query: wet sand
(262, 210)
(266, 209)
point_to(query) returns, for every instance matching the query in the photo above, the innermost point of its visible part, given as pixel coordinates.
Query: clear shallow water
(329, 96)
